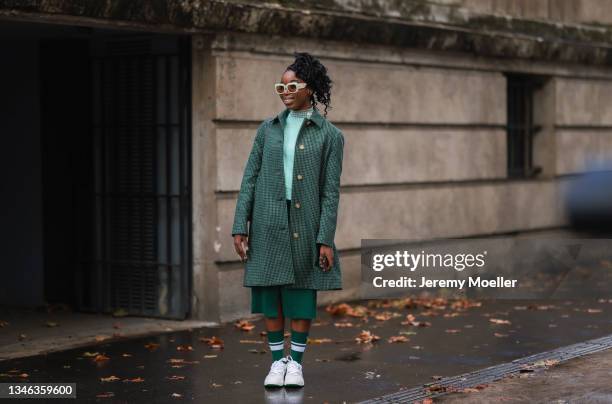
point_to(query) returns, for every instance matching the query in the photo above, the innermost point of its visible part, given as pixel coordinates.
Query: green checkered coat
(278, 254)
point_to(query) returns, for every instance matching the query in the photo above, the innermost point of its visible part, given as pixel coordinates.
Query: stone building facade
(472, 115)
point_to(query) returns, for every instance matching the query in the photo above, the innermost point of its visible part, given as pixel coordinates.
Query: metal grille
(495, 373)
(142, 203)
(521, 128)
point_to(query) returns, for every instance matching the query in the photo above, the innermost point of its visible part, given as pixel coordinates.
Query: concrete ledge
(75, 330)
(410, 23)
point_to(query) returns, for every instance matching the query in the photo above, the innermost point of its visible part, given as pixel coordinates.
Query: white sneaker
(293, 376)
(276, 376)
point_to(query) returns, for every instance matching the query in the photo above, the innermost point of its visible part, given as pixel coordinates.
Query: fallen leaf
(318, 340)
(209, 356)
(546, 363)
(413, 323)
(126, 355)
(213, 342)
(175, 377)
(107, 394)
(184, 348)
(90, 354)
(386, 315)
(100, 358)
(592, 311)
(3, 324)
(452, 331)
(465, 304)
(215, 385)
(250, 341)
(51, 324)
(22, 337)
(500, 335)
(366, 337)
(151, 346)
(499, 321)
(346, 309)
(429, 313)
(134, 380)
(244, 325)
(343, 324)
(176, 395)
(109, 379)
(100, 338)
(398, 338)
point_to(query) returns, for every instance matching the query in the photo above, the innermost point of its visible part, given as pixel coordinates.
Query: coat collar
(316, 117)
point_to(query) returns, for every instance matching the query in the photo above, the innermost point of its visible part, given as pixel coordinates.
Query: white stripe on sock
(297, 348)
(276, 347)
(298, 343)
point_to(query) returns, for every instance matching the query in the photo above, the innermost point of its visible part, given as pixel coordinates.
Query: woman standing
(289, 197)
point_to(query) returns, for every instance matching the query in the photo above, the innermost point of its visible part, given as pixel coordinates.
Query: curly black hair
(312, 71)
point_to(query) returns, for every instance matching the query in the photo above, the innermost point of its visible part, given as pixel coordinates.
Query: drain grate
(494, 373)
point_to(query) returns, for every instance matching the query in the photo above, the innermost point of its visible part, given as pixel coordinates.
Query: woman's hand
(240, 241)
(326, 257)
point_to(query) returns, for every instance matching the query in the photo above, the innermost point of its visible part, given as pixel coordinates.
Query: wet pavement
(190, 366)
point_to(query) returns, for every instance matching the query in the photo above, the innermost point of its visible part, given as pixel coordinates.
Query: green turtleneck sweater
(292, 129)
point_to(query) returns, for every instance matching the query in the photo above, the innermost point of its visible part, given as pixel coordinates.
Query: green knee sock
(298, 344)
(276, 342)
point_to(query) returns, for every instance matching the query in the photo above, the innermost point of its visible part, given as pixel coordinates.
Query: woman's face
(295, 101)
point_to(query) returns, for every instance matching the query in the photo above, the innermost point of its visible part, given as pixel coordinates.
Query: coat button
(308, 123)
(297, 205)
(295, 235)
(301, 147)
(299, 176)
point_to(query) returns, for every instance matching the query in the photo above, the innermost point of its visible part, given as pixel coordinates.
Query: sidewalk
(27, 332)
(581, 380)
(406, 343)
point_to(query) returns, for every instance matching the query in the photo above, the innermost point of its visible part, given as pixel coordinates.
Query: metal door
(140, 253)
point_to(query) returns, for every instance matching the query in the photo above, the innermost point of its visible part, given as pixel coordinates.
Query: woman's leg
(299, 337)
(275, 326)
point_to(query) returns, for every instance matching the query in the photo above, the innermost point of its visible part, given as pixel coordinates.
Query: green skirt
(296, 303)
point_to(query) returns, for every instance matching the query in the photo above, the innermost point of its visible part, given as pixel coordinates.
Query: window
(520, 125)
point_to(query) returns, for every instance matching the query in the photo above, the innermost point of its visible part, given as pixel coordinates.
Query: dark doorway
(66, 156)
(117, 164)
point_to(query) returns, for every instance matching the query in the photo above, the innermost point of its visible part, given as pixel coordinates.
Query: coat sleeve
(330, 190)
(244, 205)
